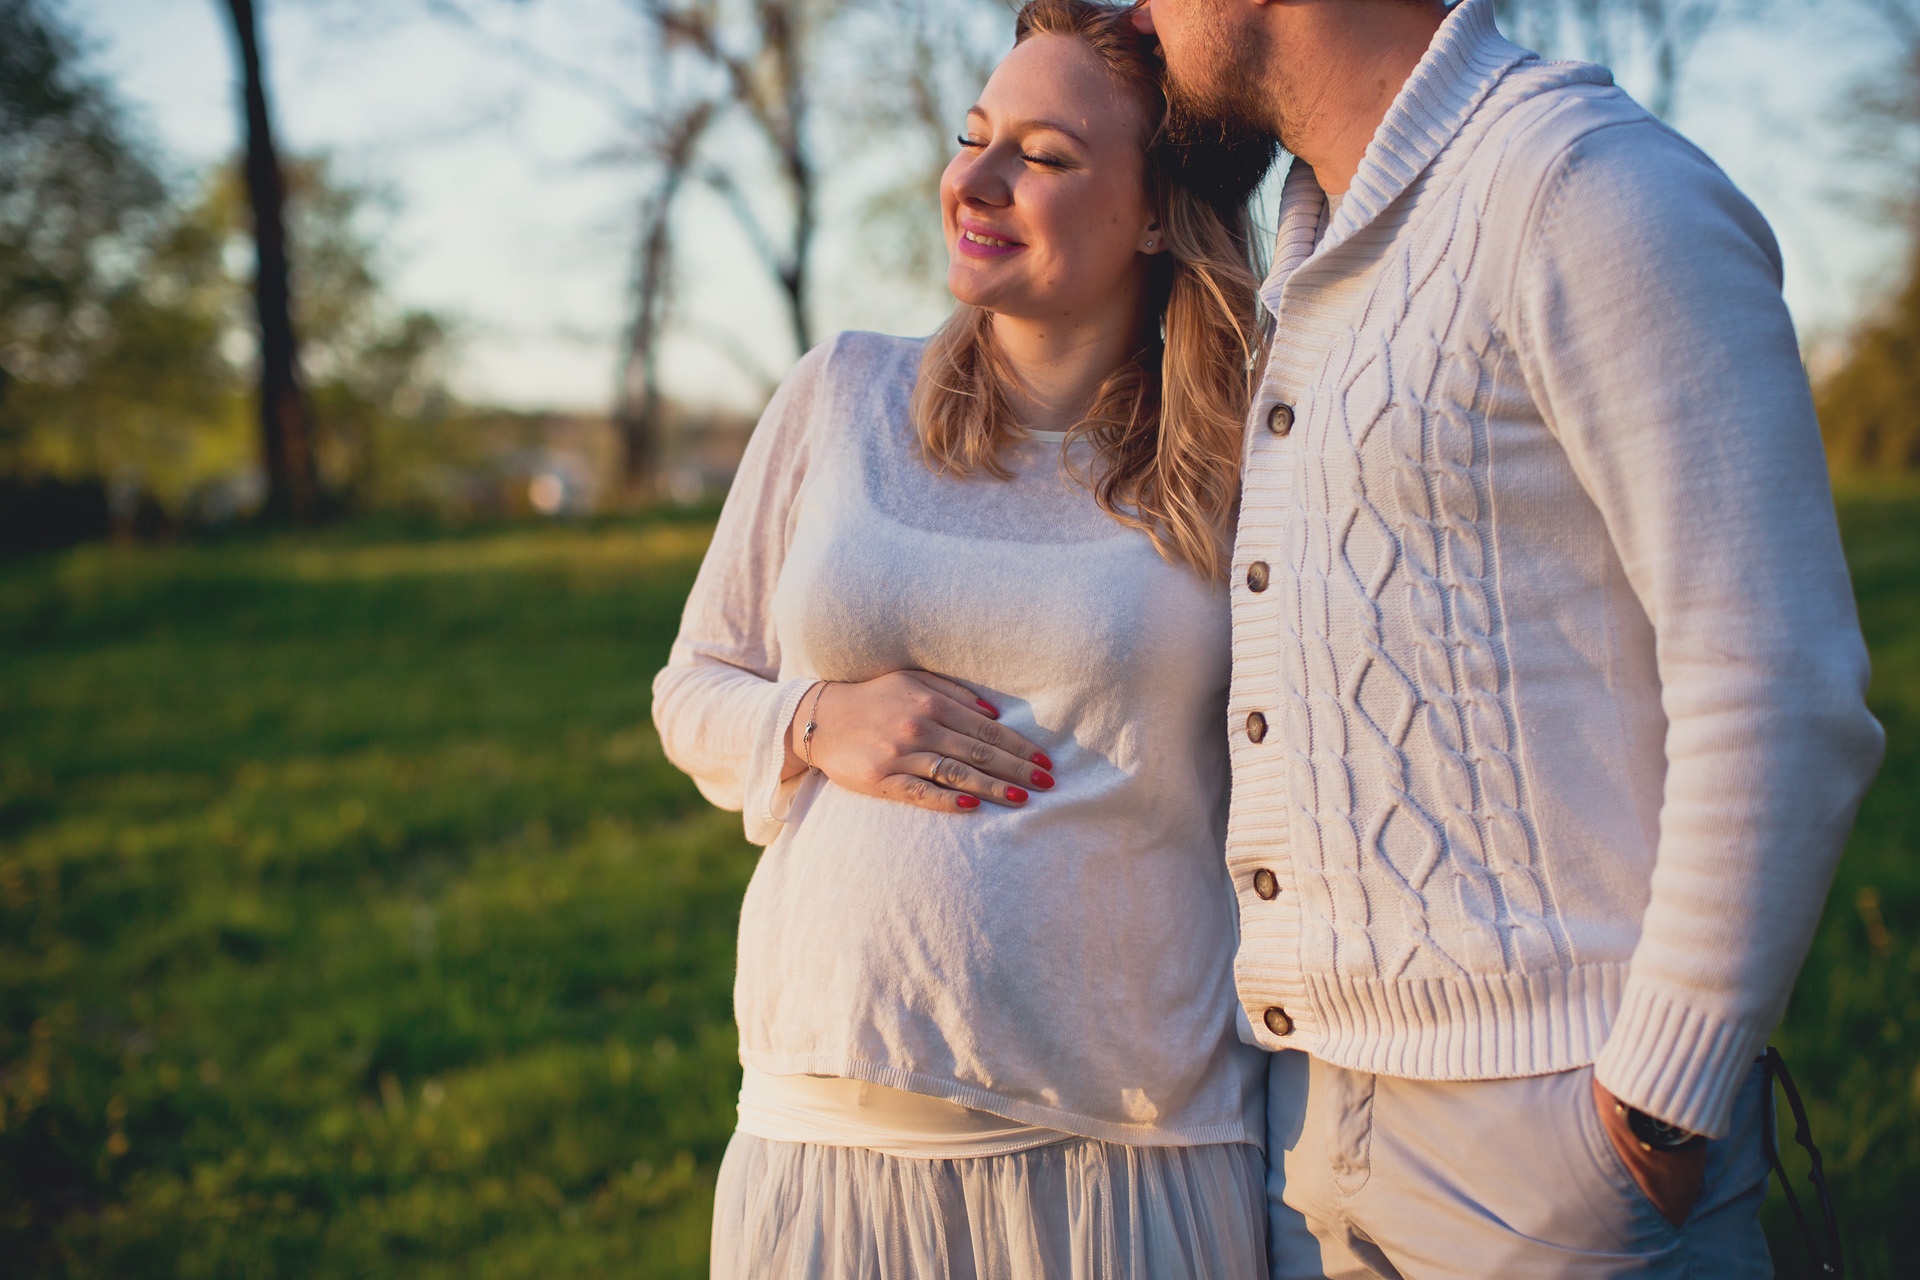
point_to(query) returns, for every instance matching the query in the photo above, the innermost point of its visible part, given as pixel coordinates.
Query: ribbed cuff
(1676, 1063)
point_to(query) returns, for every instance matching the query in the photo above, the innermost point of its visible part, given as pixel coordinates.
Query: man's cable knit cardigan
(1548, 706)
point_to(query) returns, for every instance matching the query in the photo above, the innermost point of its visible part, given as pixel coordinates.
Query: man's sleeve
(1647, 312)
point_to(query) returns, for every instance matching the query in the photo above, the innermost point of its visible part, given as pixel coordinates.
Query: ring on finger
(939, 763)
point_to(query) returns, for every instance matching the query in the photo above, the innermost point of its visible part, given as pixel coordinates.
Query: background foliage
(126, 329)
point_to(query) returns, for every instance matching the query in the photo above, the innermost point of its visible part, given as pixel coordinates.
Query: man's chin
(1218, 152)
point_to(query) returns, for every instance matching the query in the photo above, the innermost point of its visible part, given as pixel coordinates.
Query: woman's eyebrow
(1024, 125)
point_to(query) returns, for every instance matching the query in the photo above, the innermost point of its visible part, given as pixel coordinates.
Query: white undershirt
(1333, 211)
(835, 1112)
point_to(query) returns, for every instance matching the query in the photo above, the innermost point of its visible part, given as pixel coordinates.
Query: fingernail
(1016, 795)
(1040, 758)
(1042, 779)
(968, 802)
(988, 707)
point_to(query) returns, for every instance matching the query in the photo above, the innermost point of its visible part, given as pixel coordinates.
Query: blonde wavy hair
(1165, 425)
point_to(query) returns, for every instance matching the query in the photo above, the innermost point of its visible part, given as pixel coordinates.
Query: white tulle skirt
(1074, 1210)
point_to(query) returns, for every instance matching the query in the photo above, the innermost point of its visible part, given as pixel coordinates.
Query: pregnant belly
(1001, 948)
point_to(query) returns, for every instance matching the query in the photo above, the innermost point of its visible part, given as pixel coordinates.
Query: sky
(509, 214)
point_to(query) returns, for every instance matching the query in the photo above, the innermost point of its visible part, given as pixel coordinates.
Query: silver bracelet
(806, 734)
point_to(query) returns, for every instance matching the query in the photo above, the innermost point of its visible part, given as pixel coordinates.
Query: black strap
(1829, 1259)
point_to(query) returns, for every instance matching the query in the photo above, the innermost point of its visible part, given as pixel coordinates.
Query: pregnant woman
(960, 652)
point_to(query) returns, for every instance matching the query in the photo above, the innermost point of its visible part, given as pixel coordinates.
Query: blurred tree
(1870, 404)
(1885, 112)
(286, 418)
(149, 405)
(1610, 31)
(745, 69)
(1870, 401)
(78, 194)
(109, 359)
(639, 410)
(367, 367)
(155, 402)
(764, 57)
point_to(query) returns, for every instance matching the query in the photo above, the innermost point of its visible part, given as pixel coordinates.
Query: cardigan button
(1280, 420)
(1256, 727)
(1258, 575)
(1266, 884)
(1278, 1022)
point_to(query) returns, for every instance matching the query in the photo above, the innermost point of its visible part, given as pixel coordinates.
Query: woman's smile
(977, 241)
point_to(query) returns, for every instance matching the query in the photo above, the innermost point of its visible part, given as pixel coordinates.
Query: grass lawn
(352, 924)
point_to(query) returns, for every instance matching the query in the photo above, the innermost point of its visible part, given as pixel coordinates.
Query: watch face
(1657, 1134)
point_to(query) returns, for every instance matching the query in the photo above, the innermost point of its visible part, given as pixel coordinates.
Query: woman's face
(1045, 205)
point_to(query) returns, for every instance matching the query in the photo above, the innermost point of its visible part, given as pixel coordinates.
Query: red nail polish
(1040, 758)
(1016, 795)
(968, 802)
(1042, 779)
(988, 707)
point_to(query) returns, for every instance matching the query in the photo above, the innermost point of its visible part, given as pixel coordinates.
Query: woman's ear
(1151, 241)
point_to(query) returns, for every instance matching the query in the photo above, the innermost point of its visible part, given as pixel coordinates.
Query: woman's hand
(917, 738)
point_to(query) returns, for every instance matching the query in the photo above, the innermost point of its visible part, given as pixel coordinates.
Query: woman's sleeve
(720, 705)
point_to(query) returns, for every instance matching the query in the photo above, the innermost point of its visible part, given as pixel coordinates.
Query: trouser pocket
(1609, 1165)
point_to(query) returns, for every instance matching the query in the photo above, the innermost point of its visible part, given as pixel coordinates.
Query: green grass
(352, 924)
(1852, 1031)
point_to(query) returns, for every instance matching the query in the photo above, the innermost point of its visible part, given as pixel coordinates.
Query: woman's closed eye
(972, 143)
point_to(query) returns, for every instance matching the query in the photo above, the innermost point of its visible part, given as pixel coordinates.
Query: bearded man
(1548, 693)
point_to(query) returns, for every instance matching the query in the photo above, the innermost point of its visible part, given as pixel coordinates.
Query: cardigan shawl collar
(1467, 59)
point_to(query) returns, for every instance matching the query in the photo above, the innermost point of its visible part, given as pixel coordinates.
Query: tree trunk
(639, 411)
(286, 419)
(638, 415)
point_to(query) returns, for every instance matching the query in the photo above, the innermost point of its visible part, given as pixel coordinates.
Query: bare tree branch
(736, 353)
(723, 184)
(639, 411)
(556, 71)
(1607, 30)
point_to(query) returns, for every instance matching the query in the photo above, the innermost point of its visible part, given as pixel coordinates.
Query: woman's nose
(979, 181)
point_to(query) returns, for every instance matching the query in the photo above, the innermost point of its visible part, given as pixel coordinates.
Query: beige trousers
(1375, 1176)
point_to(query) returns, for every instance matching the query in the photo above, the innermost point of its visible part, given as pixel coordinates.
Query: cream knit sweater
(1069, 963)
(1557, 658)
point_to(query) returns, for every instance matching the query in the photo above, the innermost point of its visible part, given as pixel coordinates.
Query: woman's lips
(977, 242)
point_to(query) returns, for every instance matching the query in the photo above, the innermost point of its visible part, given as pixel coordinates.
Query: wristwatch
(1658, 1135)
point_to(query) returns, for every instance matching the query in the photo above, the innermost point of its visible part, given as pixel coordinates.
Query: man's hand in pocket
(1672, 1180)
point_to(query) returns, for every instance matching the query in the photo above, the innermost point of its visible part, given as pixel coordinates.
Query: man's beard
(1220, 158)
(1221, 142)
